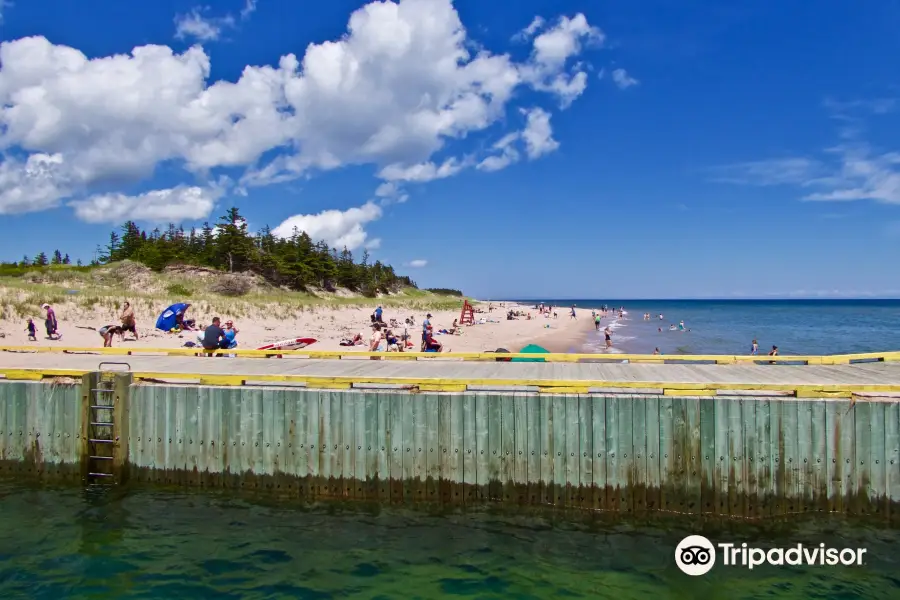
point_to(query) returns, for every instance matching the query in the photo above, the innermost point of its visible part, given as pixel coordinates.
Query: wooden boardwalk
(877, 377)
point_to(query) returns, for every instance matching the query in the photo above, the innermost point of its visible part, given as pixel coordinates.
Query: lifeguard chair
(468, 314)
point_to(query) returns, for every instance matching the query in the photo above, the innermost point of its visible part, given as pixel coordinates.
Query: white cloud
(196, 25)
(536, 137)
(338, 228)
(392, 92)
(538, 134)
(526, 34)
(4, 4)
(158, 206)
(249, 9)
(417, 264)
(622, 79)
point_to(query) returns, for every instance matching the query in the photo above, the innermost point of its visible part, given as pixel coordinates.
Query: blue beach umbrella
(169, 317)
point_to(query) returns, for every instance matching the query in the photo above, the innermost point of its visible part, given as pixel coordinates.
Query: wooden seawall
(623, 446)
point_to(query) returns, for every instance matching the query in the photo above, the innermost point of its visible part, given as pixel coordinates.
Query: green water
(72, 543)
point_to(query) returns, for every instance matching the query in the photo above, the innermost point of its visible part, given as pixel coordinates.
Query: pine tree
(41, 260)
(66, 260)
(57, 258)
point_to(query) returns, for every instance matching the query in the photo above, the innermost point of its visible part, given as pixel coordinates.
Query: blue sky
(625, 148)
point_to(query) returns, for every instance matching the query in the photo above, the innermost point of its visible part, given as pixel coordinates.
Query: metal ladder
(102, 436)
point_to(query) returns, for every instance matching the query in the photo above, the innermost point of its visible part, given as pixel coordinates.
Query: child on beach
(32, 331)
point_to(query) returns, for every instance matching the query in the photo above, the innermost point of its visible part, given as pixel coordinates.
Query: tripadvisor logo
(695, 555)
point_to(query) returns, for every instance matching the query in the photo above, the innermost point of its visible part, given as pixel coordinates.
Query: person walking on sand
(572, 314)
(32, 331)
(51, 323)
(129, 323)
(754, 348)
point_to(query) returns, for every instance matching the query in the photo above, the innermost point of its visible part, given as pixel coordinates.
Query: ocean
(62, 544)
(730, 326)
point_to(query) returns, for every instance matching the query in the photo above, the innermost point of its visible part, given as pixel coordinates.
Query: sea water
(730, 326)
(59, 544)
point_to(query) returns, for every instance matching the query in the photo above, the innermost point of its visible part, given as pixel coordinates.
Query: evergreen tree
(41, 260)
(57, 258)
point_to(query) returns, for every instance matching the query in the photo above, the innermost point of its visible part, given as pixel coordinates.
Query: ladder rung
(102, 441)
(107, 407)
(101, 474)
(101, 423)
(102, 457)
(109, 391)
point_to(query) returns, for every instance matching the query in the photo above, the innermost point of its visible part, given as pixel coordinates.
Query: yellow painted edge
(680, 392)
(580, 389)
(442, 388)
(892, 356)
(821, 394)
(811, 390)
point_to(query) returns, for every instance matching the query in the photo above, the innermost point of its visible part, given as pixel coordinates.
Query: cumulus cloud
(536, 137)
(160, 206)
(392, 92)
(249, 9)
(338, 228)
(622, 79)
(417, 264)
(196, 24)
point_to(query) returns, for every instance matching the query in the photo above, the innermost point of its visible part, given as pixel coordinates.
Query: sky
(537, 148)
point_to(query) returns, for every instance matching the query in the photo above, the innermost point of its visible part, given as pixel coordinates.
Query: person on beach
(608, 333)
(432, 345)
(572, 314)
(32, 331)
(51, 323)
(597, 322)
(754, 348)
(108, 331)
(773, 351)
(230, 333)
(655, 351)
(129, 323)
(213, 335)
(426, 330)
(377, 342)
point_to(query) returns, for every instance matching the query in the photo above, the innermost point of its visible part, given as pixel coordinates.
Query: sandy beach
(329, 325)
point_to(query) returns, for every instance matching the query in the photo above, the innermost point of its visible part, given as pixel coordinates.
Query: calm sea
(730, 326)
(69, 543)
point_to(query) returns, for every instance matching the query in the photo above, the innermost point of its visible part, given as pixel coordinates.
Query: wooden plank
(482, 435)
(519, 471)
(535, 425)
(859, 501)
(615, 485)
(383, 447)
(419, 465)
(805, 458)
(679, 451)
(792, 465)
(668, 499)
(558, 423)
(709, 458)
(819, 456)
(598, 469)
(692, 458)
(336, 448)
(471, 440)
(446, 458)
(835, 459)
(847, 415)
(779, 432)
(571, 452)
(638, 456)
(722, 457)
(457, 448)
(892, 457)
(296, 407)
(395, 444)
(877, 480)
(748, 457)
(586, 461)
(650, 405)
(432, 447)
(508, 433)
(734, 458)
(314, 442)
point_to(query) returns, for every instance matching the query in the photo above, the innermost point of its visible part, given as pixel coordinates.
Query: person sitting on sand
(51, 323)
(394, 344)
(655, 351)
(229, 332)
(108, 331)
(377, 342)
(773, 351)
(128, 321)
(432, 345)
(32, 331)
(213, 336)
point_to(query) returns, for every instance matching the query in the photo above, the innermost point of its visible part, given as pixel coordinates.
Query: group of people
(50, 324)
(384, 339)
(217, 336)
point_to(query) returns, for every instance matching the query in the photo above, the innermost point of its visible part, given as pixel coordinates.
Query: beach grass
(107, 287)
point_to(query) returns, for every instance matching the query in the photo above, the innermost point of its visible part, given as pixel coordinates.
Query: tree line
(297, 262)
